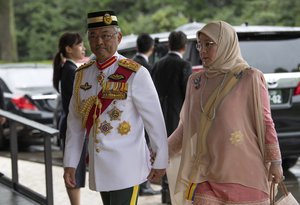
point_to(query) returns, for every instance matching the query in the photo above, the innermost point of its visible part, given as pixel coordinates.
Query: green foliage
(39, 24)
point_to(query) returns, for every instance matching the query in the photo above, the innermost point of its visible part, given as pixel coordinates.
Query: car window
(26, 78)
(272, 56)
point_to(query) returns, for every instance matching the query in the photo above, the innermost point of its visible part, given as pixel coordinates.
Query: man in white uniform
(113, 101)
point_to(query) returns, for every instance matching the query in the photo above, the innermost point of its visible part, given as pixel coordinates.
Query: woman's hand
(276, 172)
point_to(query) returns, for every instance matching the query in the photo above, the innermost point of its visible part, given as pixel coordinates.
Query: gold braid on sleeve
(78, 79)
(86, 108)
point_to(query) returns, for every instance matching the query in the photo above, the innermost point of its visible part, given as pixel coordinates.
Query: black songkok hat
(101, 18)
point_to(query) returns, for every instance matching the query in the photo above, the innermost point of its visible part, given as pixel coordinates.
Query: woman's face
(76, 52)
(104, 42)
(207, 49)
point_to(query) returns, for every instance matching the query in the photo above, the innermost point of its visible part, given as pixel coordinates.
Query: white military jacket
(118, 154)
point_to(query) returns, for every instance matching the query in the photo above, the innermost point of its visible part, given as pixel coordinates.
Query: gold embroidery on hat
(105, 127)
(236, 137)
(124, 128)
(99, 19)
(107, 19)
(115, 114)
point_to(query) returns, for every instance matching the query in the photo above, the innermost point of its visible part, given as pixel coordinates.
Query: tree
(8, 46)
(39, 24)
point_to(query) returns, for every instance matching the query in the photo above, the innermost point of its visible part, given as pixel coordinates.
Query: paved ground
(33, 175)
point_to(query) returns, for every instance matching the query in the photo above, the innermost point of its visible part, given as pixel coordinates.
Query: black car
(28, 92)
(272, 49)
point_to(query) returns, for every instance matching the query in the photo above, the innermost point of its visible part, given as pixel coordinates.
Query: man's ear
(120, 37)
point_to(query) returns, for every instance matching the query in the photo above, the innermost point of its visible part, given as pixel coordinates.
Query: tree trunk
(8, 45)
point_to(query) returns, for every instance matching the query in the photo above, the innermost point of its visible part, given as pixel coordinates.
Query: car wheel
(289, 162)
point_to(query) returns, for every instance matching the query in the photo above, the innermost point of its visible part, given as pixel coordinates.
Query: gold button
(96, 141)
(98, 149)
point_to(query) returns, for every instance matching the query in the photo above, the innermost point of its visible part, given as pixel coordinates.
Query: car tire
(289, 162)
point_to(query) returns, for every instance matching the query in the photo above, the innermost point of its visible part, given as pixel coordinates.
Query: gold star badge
(105, 127)
(115, 114)
(124, 128)
(236, 137)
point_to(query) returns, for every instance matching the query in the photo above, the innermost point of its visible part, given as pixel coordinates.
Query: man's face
(104, 41)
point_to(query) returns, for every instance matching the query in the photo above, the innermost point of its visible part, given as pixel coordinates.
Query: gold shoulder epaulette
(129, 64)
(85, 65)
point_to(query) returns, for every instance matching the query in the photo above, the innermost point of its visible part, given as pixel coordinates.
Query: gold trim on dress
(236, 137)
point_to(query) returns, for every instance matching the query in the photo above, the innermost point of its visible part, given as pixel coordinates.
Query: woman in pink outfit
(226, 135)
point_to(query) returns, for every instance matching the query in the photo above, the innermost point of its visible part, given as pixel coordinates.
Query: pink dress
(233, 169)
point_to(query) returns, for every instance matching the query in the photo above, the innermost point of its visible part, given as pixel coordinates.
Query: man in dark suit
(170, 75)
(145, 46)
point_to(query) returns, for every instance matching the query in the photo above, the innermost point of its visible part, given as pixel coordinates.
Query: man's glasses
(104, 37)
(206, 45)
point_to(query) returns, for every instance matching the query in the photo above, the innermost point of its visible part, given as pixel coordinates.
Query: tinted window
(272, 56)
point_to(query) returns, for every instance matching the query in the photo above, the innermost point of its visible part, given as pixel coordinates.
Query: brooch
(238, 75)
(197, 82)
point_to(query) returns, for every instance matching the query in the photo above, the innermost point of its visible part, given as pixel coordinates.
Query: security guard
(114, 100)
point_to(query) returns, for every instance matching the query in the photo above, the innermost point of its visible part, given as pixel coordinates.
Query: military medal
(116, 77)
(115, 114)
(100, 77)
(105, 127)
(86, 86)
(114, 90)
(124, 128)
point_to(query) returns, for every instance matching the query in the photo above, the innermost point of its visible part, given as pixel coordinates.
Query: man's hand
(69, 177)
(156, 175)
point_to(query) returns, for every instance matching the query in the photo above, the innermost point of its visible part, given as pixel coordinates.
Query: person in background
(70, 50)
(226, 134)
(2, 119)
(145, 47)
(114, 100)
(170, 75)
